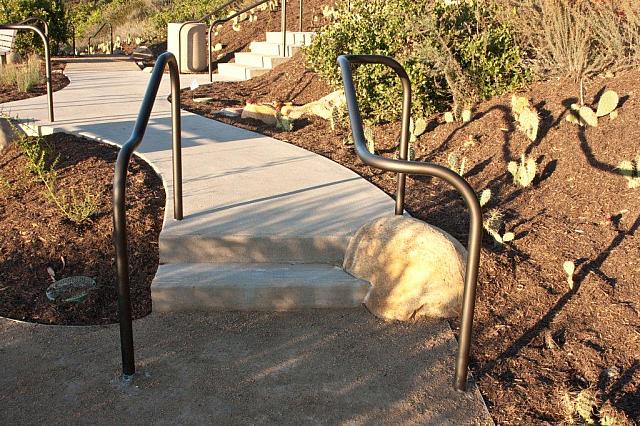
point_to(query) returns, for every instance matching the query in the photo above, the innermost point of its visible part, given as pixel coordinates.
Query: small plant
(494, 225)
(24, 76)
(570, 269)
(458, 167)
(371, 143)
(485, 197)
(524, 172)
(5, 185)
(76, 208)
(417, 128)
(608, 103)
(631, 172)
(284, 122)
(527, 117)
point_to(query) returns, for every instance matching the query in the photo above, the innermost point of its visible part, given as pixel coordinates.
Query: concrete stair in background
(264, 55)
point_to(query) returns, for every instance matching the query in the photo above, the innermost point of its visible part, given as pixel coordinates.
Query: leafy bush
(180, 11)
(52, 11)
(452, 52)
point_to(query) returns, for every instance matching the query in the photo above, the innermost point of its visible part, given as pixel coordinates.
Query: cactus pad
(608, 103)
(529, 123)
(588, 116)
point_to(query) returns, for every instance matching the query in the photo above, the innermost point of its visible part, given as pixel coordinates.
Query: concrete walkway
(305, 368)
(268, 223)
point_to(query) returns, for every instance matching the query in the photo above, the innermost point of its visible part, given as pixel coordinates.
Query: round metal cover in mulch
(71, 289)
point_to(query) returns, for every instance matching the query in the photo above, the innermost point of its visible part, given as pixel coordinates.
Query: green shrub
(457, 52)
(52, 11)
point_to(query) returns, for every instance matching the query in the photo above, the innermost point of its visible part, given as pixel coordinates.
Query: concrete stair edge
(272, 287)
(176, 248)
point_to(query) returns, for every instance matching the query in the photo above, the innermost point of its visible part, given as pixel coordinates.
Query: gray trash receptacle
(193, 46)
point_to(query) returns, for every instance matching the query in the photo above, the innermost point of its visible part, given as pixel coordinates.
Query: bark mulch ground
(35, 235)
(58, 81)
(539, 346)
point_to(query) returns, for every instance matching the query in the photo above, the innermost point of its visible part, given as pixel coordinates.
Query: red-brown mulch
(535, 340)
(35, 235)
(58, 81)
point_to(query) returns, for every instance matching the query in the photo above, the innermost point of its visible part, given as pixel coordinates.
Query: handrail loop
(403, 167)
(110, 39)
(33, 19)
(47, 58)
(119, 194)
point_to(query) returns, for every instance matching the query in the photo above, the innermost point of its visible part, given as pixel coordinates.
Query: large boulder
(415, 269)
(9, 132)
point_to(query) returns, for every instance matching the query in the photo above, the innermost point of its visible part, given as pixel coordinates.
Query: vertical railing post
(119, 196)
(403, 166)
(283, 27)
(301, 6)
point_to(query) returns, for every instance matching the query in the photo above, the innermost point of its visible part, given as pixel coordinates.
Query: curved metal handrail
(47, 58)
(111, 36)
(33, 19)
(403, 167)
(119, 193)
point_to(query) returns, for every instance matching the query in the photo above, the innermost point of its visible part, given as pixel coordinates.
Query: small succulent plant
(494, 224)
(524, 172)
(631, 172)
(583, 115)
(417, 128)
(485, 197)
(570, 269)
(371, 143)
(526, 116)
(284, 122)
(455, 165)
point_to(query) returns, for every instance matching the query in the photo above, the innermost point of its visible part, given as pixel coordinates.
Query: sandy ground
(311, 367)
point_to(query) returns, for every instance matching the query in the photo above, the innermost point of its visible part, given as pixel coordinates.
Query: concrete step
(176, 247)
(273, 49)
(240, 71)
(293, 37)
(259, 61)
(272, 287)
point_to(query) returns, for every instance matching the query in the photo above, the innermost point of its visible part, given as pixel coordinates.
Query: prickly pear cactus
(529, 122)
(484, 198)
(368, 135)
(588, 116)
(417, 128)
(608, 103)
(518, 104)
(524, 172)
(631, 172)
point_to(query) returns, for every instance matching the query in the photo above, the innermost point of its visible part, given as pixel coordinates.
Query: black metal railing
(119, 193)
(47, 57)
(36, 19)
(403, 167)
(110, 36)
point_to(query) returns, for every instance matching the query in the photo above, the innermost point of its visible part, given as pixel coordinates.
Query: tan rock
(262, 112)
(415, 269)
(9, 132)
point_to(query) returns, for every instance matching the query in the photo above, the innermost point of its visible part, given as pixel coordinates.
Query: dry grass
(23, 76)
(578, 38)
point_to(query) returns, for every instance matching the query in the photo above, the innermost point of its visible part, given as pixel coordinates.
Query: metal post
(404, 142)
(111, 39)
(301, 6)
(119, 195)
(73, 33)
(47, 59)
(428, 169)
(283, 27)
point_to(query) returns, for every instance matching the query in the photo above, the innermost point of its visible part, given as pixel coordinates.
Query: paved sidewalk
(306, 368)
